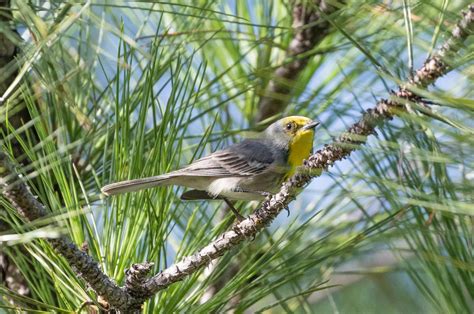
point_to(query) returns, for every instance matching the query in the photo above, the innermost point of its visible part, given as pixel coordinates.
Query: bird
(249, 170)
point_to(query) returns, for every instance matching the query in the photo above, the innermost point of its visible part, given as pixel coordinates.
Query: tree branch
(7, 46)
(7, 55)
(311, 27)
(10, 275)
(356, 135)
(137, 288)
(20, 197)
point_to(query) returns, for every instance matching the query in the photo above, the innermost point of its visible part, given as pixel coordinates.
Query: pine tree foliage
(127, 90)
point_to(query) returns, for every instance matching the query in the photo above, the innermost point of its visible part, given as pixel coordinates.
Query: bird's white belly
(225, 187)
(228, 187)
(222, 186)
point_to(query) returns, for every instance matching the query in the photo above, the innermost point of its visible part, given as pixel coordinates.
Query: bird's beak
(310, 125)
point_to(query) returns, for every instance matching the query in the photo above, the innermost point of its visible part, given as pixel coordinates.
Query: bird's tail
(136, 184)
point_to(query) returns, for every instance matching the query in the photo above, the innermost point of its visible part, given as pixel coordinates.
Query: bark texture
(10, 276)
(310, 28)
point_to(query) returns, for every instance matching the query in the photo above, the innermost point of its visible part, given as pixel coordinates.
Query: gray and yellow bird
(248, 170)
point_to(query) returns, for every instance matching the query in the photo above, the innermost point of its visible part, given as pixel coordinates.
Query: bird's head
(291, 131)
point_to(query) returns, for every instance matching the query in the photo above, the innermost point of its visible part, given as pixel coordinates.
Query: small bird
(249, 170)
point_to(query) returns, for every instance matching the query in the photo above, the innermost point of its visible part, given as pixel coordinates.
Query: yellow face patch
(292, 124)
(301, 143)
(300, 120)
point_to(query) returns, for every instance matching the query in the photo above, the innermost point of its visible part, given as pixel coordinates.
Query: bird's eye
(289, 126)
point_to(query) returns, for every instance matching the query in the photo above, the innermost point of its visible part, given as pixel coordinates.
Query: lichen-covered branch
(356, 135)
(18, 194)
(311, 27)
(10, 275)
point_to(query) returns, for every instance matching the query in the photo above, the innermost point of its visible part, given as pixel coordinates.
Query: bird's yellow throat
(300, 147)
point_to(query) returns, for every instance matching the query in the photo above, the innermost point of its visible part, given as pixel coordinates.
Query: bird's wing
(250, 157)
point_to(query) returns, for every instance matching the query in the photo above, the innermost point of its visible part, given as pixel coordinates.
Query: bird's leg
(232, 208)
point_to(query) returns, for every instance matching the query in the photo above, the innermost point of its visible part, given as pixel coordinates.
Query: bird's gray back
(247, 158)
